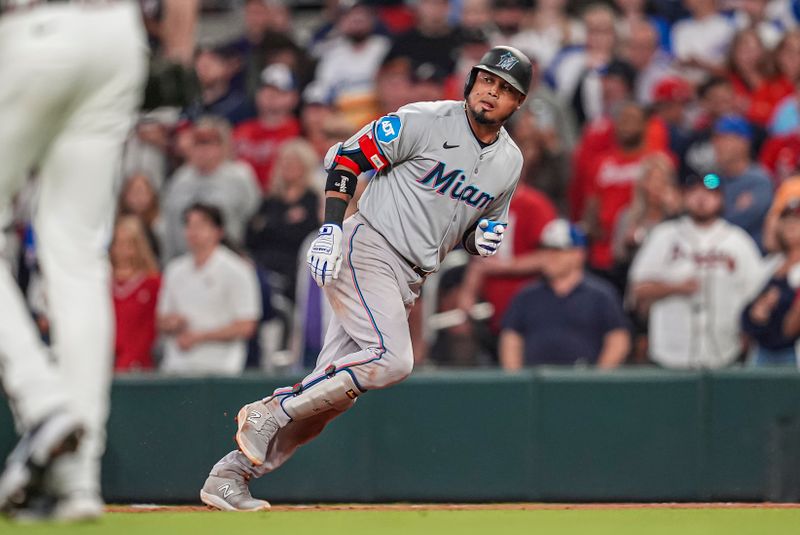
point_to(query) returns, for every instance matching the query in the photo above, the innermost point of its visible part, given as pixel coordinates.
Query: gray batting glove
(488, 236)
(325, 254)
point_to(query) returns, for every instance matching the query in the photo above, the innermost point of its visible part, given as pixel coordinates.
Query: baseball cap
(561, 234)
(709, 181)
(733, 124)
(672, 89)
(621, 69)
(278, 76)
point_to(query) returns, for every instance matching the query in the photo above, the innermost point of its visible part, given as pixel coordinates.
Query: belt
(415, 268)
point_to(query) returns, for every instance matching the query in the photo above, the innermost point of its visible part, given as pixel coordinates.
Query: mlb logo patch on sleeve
(388, 128)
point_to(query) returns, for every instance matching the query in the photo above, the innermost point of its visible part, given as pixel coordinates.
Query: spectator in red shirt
(598, 136)
(135, 292)
(257, 141)
(612, 179)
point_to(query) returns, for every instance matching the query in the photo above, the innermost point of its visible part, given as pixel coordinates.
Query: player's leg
(73, 223)
(226, 486)
(32, 94)
(372, 307)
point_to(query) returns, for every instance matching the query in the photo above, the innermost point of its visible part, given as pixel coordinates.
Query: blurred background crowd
(657, 219)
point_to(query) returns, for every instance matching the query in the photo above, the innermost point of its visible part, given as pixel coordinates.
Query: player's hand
(488, 236)
(325, 254)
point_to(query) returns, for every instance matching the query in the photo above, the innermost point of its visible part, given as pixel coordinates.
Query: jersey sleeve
(387, 141)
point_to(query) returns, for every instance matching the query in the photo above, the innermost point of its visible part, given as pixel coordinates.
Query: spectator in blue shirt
(745, 185)
(570, 317)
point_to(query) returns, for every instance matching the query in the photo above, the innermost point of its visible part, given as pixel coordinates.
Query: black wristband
(341, 181)
(334, 210)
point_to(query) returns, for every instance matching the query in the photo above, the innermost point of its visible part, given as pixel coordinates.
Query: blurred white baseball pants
(70, 81)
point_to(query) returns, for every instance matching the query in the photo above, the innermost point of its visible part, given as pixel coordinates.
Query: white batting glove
(488, 236)
(325, 254)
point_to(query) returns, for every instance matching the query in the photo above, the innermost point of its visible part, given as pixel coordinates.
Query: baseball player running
(446, 172)
(72, 75)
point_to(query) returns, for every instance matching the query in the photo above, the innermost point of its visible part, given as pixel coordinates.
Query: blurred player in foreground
(72, 77)
(446, 172)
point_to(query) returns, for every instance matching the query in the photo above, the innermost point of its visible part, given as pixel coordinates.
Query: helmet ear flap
(469, 82)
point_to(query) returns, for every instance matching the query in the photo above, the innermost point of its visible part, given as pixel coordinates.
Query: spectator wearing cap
(568, 318)
(216, 68)
(209, 176)
(258, 140)
(692, 278)
(349, 61)
(210, 301)
(763, 318)
(746, 185)
(640, 48)
(671, 96)
(700, 42)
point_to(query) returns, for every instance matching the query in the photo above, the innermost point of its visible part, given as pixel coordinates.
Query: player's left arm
(485, 237)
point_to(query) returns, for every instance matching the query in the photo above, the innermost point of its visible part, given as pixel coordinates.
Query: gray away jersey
(435, 181)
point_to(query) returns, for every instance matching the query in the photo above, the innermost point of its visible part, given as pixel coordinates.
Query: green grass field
(643, 521)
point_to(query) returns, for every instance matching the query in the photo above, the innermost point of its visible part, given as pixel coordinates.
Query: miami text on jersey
(454, 183)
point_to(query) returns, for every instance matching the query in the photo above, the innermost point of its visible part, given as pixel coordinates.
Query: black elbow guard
(341, 181)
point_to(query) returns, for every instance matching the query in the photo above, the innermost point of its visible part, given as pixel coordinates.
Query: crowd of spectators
(657, 218)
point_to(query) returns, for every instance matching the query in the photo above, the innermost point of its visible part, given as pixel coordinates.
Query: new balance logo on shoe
(254, 416)
(225, 490)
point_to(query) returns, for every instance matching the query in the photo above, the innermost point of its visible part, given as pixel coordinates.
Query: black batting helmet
(506, 62)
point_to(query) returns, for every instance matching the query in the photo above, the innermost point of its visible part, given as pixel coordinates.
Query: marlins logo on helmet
(507, 61)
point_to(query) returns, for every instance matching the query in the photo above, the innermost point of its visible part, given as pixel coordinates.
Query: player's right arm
(376, 147)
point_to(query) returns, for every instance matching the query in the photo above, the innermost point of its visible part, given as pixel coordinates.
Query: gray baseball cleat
(257, 427)
(25, 466)
(228, 491)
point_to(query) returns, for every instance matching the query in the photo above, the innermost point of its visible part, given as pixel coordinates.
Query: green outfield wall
(541, 435)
